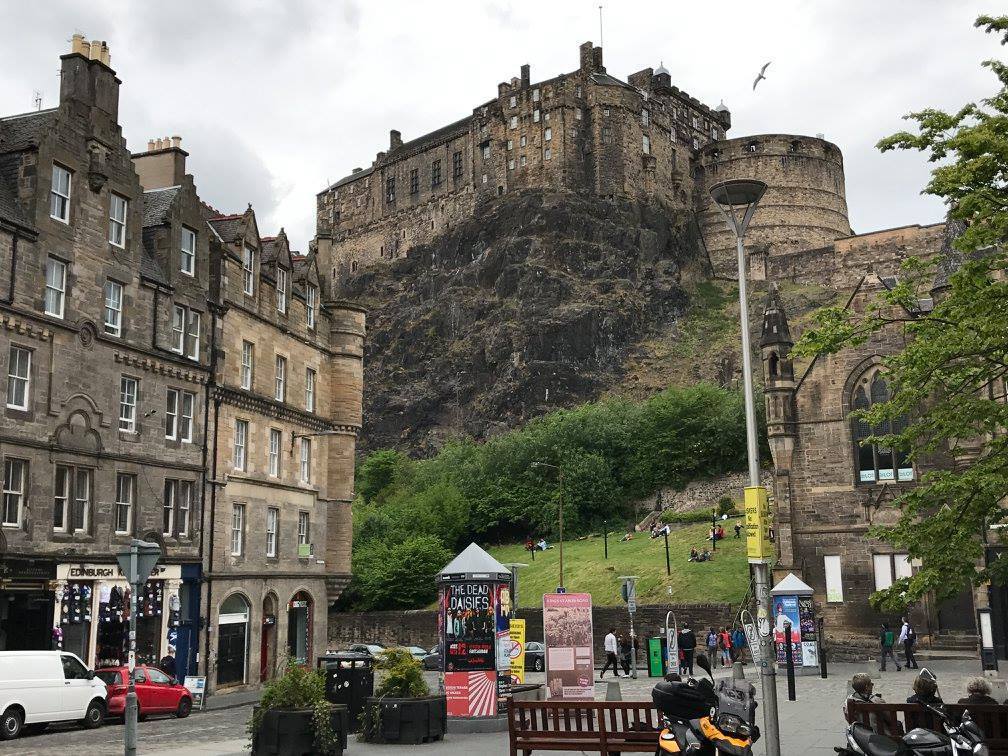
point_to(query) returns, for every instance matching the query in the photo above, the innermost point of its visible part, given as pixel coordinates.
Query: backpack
(889, 639)
(911, 635)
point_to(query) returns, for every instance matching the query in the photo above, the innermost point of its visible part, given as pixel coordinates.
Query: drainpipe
(13, 268)
(211, 387)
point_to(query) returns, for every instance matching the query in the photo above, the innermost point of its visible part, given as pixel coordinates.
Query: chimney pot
(150, 145)
(176, 142)
(79, 45)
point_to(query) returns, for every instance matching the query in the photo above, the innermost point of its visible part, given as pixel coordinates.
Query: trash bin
(656, 657)
(349, 680)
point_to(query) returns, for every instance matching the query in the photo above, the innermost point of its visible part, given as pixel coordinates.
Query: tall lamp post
(737, 200)
(560, 476)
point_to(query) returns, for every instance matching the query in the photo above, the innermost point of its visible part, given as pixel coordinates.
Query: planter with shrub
(294, 718)
(402, 709)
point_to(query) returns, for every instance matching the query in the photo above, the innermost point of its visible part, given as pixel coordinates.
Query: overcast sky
(273, 100)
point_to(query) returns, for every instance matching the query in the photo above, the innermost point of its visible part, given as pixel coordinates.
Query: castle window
(484, 149)
(645, 118)
(510, 144)
(390, 189)
(513, 123)
(548, 154)
(578, 114)
(485, 179)
(457, 162)
(513, 102)
(606, 135)
(511, 164)
(696, 122)
(353, 266)
(877, 463)
(577, 91)
(605, 111)
(522, 142)
(646, 144)
(414, 181)
(696, 143)
(751, 147)
(435, 174)
(548, 134)
(773, 365)
(714, 134)
(117, 220)
(59, 195)
(523, 160)
(794, 146)
(535, 115)
(535, 95)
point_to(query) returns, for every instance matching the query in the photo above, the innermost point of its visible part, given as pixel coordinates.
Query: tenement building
(172, 376)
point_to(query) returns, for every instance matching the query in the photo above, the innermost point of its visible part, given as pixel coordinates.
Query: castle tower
(779, 388)
(805, 205)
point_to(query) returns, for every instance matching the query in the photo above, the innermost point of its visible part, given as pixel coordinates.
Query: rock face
(533, 305)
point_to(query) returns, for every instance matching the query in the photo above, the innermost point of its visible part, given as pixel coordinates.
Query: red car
(157, 693)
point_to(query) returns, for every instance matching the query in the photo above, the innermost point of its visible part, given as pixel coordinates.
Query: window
(59, 196)
(513, 122)
(696, 122)
(15, 476)
(547, 154)
(510, 144)
(457, 161)
(73, 669)
(113, 307)
(513, 101)
(646, 144)
(18, 377)
(281, 289)
(435, 174)
(125, 493)
(548, 134)
(176, 508)
(522, 160)
(309, 390)
(535, 115)
(606, 134)
(274, 453)
(178, 328)
(414, 181)
(117, 220)
(193, 335)
(877, 463)
(72, 506)
(511, 164)
(484, 150)
(127, 404)
(158, 677)
(240, 443)
(390, 189)
(237, 529)
(55, 287)
(523, 141)
(272, 519)
(645, 118)
(248, 355)
(171, 414)
(303, 528)
(883, 571)
(577, 91)
(578, 114)
(248, 271)
(179, 415)
(834, 579)
(311, 300)
(535, 95)
(188, 259)
(185, 332)
(696, 143)
(280, 393)
(605, 111)
(306, 460)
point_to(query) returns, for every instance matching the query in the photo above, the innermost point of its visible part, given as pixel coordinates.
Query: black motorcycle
(963, 739)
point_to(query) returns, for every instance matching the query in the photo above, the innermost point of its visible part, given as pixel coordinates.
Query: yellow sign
(759, 524)
(517, 653)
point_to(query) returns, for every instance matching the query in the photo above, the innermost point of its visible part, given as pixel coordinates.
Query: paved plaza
(813, 724)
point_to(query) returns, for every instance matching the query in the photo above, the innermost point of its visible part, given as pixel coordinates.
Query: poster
(516, 652)
(809, 654)
(570, 660)
(786, 610)
(470, 627)
(471, 694)
(197, 687)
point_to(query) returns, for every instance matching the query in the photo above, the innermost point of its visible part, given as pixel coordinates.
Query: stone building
(584, 131)
(104, 431)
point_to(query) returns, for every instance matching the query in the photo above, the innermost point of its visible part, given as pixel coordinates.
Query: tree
(950, 379)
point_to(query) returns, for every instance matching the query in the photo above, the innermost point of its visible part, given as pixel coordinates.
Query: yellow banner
(517, 630)
(758, 522)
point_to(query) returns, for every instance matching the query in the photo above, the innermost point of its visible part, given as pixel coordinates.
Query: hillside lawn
(725, 578)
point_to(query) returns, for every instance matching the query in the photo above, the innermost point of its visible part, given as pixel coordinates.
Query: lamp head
(738, 192)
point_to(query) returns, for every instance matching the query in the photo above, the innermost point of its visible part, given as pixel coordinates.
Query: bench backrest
(631, 720)
(897, 719)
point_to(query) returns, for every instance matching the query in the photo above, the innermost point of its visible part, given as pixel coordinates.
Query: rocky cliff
(537, 303)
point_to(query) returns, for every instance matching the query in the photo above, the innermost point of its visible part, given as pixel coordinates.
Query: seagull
(761, 76)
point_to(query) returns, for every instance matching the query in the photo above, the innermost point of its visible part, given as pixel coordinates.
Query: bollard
(612, 691)
(822, 651)
(789, 660)
(737, 672)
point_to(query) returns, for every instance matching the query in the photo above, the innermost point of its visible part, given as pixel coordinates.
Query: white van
(39, 687)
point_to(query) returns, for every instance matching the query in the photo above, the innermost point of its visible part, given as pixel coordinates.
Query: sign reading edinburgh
(470, 626)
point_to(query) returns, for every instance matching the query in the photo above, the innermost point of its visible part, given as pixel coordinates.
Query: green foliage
(950, 378)
(697, 515)
(611, 453)
(402, 675)
(725, 506)
(299, 688)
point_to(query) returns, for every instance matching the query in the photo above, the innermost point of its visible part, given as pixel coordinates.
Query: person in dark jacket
(978, 692)
(167, 663)
(687, 644)
(925, 692)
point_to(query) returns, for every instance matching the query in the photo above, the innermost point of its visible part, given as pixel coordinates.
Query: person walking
(611, 649)
(908, 639)
(687, 644)
(886, 642)
(625, 647)
(712, 647)
(726, 647)
(738, 642)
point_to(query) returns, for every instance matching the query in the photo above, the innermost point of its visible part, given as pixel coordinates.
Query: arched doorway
(299, 627)
(267, 648)
(232, 640)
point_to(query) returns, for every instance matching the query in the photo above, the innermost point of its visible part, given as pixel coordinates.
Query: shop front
(233, 641)
(92, 613)
(26, 604)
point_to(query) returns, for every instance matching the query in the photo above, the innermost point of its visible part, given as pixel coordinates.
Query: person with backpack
(908, 639)
(738, 642)
(687, 646)
(887, 640)
(712, 647)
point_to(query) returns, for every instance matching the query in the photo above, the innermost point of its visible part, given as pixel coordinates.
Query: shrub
(694, 516)
(402, 675)
(299, 688)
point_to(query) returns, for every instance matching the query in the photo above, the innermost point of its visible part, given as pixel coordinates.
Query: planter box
(407, 720)
(290, 732)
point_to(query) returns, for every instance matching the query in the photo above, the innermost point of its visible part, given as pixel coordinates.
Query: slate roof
(149, 266)
(19, 132)
(10, 210)
(227, 226)
(268, 249)
(473, 561)
(157, 203)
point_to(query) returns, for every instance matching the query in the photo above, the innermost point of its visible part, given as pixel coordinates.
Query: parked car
(535, 656)
(432, 660)
(39, 687)
(371, 649)
(157, 692)
(417, 652)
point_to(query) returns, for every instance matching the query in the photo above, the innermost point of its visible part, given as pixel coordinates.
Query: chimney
(586, 57)
(395, 139)
(525, 76)
(162, 165)
(597, 60)
(86, 78)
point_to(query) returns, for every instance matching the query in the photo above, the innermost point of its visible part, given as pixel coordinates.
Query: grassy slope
(585, 570)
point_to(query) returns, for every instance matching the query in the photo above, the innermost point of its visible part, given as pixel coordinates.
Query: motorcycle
(702, 719)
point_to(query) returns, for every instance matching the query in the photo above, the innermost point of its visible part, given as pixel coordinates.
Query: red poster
(570, 658)
(471, 694)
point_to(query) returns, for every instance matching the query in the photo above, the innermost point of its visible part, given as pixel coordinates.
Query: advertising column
(570, 658)
(470, 648)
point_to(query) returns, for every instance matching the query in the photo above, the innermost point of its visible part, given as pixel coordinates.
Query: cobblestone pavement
(812, 724)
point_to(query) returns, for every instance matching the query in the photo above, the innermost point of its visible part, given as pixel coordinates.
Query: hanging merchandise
(57, 638)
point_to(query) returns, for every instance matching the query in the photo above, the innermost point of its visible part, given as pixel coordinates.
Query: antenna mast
(37, 99)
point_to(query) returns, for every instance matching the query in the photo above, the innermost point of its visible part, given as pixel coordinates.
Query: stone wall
(419, 628)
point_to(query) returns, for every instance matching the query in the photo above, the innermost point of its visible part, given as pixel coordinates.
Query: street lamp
(561, 476)
(737, 200)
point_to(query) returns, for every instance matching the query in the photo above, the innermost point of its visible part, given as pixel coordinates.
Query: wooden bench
(609, 727)
(897, 719)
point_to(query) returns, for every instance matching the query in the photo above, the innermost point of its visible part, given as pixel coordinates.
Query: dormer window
(248, 271)
(281, 290)
(117, 220)
(188, 252)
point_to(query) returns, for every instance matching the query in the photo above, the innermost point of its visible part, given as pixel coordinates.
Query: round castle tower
(805, 205)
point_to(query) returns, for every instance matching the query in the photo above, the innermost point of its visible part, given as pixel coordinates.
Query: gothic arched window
(877, 463)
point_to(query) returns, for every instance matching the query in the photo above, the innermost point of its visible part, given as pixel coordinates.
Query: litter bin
(349, 680)
(656, 657)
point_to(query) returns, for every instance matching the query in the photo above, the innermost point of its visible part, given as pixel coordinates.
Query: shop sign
(196, 686)
(26, 569)
(84, 571)
(269, 620)
(298, 604)
(570, 663)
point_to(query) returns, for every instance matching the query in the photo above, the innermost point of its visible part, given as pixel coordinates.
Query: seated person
(862, 689)
(627, 537)
(925, 692)
(705, 556)
(542, 544)
(978, 692)
(694, 555)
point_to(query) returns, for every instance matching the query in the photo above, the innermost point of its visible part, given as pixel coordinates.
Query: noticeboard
(197, 687)
(758, 524)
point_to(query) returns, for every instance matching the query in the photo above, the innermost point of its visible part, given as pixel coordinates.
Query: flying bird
(761, 76)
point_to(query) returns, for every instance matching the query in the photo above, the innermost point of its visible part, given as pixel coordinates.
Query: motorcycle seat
(874, 744)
